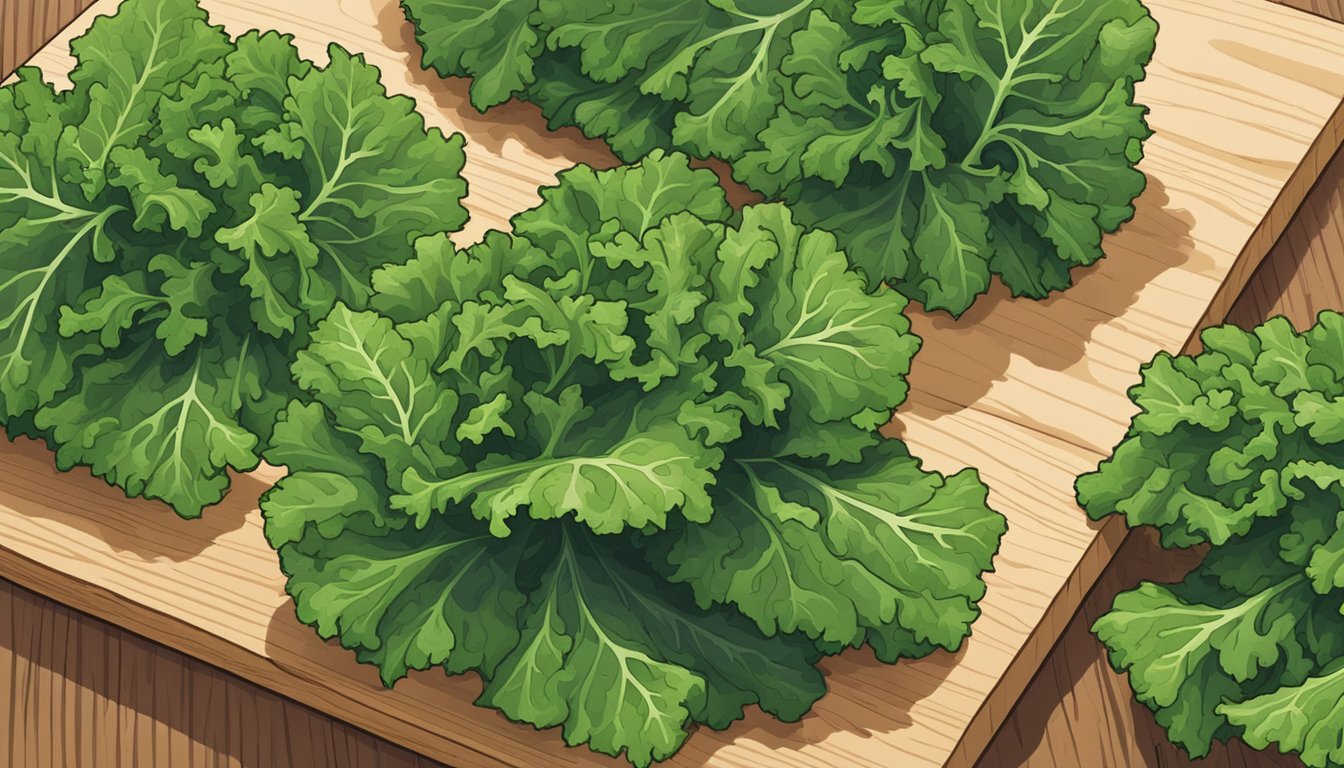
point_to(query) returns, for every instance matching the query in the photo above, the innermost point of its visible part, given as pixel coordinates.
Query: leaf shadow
(878, 701)
(147, 530)
(962, 358)
(511, 122)
(516, 123)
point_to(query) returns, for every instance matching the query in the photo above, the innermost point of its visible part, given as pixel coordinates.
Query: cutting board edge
(1007, 692)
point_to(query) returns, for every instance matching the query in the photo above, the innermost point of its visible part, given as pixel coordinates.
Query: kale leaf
(621, 462)
(1240, 447)
(943, 142)
(174, 224)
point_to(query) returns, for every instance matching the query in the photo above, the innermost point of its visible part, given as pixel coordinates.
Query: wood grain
(26, 25)
(1304, 274)
(77, 693)
(1330, 9)
(1078, 711)
(1246, 101)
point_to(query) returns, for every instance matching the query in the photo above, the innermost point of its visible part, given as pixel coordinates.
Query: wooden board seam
(1286, 205)
(39, 44)
(1332, 10)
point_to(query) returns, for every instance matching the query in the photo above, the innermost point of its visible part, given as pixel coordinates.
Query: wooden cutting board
(1247, 101)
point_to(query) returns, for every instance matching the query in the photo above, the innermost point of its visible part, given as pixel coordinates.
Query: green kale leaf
(942, 142)
(1238, 447)
(641, 428)
(175, 223)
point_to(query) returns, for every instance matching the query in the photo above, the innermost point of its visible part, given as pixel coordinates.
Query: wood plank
(73, 689)
(27, 25)
(1078, 711)
(1304, 274)
(1246, 101)
(1330, 9)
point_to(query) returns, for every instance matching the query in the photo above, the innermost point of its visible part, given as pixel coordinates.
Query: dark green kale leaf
(942, 142)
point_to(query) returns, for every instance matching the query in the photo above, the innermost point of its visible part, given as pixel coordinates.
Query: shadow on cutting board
(514, 121)
(981, 344)
(437, 703)
(149, 530)
(870, 706)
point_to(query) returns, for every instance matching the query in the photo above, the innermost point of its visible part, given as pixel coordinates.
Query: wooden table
(74, 705)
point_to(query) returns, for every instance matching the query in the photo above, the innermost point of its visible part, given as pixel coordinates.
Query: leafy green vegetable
(941, 140)
(172, 226)
(1239, 447)
(621, 463)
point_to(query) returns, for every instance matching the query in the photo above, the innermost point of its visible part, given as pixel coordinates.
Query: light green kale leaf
(126, 62)
(564, 628)
(1303, 718)
(375, 178)
(401, 597)
(596, 616)
(167, 427)
(547, 458)
(802, 326)
(877, 550)
(1221, 437)
(567, 354)
(1190, 647)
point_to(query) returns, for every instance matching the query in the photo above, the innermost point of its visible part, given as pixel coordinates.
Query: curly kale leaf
(942, 142)
(542, 615)
(640, 428)
(1238, 447)
(176, 222)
